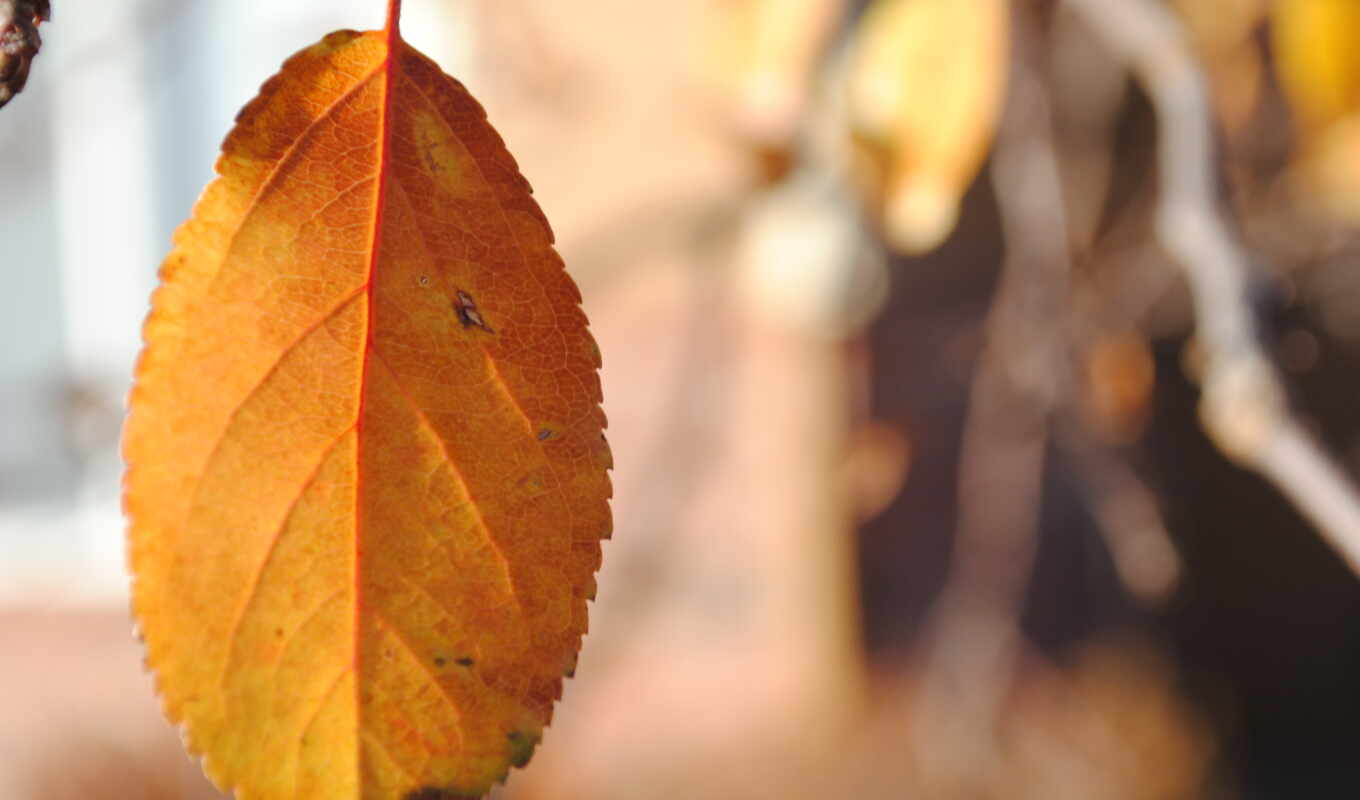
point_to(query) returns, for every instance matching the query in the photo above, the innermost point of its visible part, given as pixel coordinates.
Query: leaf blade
(392, 505)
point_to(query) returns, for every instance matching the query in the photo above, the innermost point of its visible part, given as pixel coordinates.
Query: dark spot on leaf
(278, 631)
(423, 280)
(544, 435)
(521, 748)
(439, 661)
(532, 481)
(464, 662)
(466, 309)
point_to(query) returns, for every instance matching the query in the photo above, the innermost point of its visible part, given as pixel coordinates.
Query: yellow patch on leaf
(367, 480)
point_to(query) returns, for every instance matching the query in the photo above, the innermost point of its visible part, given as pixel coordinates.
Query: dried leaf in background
(766, 55)
(1317, 53)
(927, 78)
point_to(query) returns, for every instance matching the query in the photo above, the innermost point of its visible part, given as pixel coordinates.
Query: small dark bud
(19, 42)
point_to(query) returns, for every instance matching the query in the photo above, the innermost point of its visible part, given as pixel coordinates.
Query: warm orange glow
(367, 478)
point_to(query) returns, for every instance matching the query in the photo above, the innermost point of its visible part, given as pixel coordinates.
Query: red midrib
(394, 44)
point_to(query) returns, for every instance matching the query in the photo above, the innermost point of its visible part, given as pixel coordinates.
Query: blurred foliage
(926, 82)
(908, 104)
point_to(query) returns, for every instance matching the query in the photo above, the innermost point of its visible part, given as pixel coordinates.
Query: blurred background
(912, 497)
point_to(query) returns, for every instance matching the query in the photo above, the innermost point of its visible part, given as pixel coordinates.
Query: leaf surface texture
(367, 480)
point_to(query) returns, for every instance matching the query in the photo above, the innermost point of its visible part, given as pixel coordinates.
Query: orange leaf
(366, 470)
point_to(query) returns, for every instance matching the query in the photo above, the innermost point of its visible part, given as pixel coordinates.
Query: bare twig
(1243, 406)
(1128, 518)
(1020, 377)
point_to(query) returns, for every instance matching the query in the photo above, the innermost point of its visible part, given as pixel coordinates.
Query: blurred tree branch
(1243, 406)
(1128, 516)
(1021, 376)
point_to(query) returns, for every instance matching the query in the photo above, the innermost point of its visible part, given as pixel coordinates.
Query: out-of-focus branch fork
(1243, 405)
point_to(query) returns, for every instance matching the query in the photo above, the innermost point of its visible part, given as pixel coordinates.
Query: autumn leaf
(366, 471)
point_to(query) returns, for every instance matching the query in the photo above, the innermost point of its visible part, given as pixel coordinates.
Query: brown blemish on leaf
(464, 662)
(531, 483)
(439, 661)
(466, 308)
(521, 747)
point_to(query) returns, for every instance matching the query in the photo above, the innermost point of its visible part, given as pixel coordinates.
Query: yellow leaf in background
(366, 476)
(767, 52)
(927, 80)
(1317, 54)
